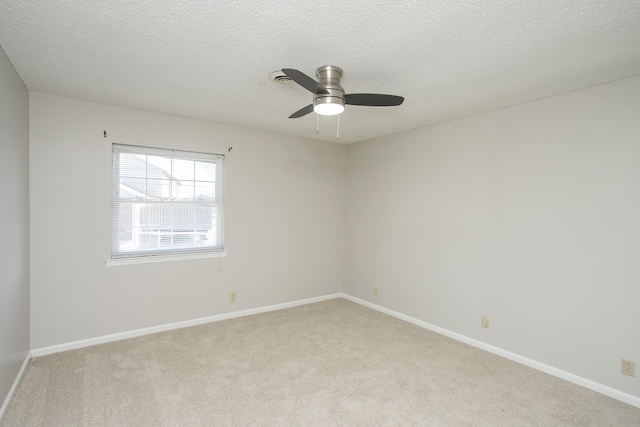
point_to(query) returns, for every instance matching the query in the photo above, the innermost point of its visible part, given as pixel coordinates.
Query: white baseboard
(177, 325)
(575, 379)
(572, 378)
(13, 388)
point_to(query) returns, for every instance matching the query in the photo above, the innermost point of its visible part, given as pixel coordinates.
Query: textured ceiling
(210, 60)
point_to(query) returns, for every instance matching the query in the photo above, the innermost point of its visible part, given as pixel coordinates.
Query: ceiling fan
(329, 98)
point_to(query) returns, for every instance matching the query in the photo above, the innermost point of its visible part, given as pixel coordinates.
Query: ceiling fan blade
(373, 99)
(302, 112)
(305, 81)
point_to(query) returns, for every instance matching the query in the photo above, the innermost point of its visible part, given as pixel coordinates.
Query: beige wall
(529, 215)
(284, 222)
(14, 217)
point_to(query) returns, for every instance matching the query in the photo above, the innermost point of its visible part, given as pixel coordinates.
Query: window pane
(183, 218)
(182, 169)
(205, 171)
(158, 167)
(205, 191)
(159, 189)
(132, 188)
(133, 165)
(124, 231)
(184, 191)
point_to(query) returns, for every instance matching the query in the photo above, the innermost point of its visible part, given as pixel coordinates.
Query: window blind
(166, 202)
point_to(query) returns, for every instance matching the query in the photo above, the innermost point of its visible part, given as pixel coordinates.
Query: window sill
(163, 258)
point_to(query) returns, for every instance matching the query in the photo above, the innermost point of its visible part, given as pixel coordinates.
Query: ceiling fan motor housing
(329, 77)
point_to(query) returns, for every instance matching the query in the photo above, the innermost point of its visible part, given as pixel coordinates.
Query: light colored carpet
(333, 363)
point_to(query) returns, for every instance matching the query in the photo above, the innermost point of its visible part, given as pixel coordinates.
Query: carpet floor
(333, 363)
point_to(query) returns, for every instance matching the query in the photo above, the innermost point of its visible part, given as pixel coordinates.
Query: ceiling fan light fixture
(329, 105)
(328, 109)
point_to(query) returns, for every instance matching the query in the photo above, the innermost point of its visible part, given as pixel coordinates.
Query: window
(166, 202)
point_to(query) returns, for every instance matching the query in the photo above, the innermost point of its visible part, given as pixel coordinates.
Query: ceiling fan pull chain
(338, 130)
(317, 124)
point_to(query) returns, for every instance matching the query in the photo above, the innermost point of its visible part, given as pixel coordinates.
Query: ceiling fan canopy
(329, 97)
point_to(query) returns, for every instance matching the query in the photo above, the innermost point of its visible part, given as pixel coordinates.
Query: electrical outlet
(233, 296)
(485, 322)
(375, 291)
(628, 367)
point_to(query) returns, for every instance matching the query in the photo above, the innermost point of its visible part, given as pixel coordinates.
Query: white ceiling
(211, 59)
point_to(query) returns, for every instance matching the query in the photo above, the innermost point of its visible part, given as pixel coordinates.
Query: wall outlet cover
(485, 322)
(628, 368)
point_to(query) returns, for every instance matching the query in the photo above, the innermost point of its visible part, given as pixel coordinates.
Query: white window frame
(136, 256)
